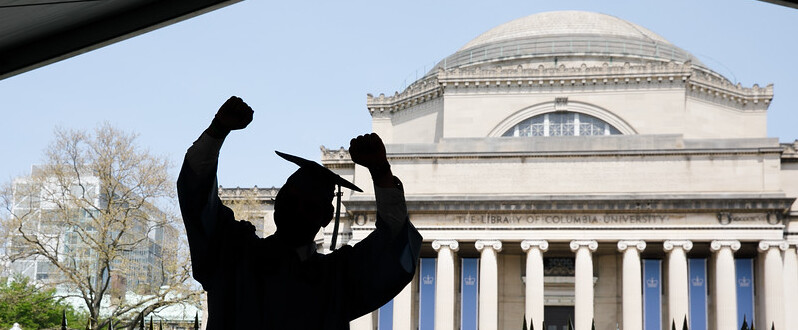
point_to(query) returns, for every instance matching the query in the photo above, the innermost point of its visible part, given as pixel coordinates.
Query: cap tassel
(337, 219)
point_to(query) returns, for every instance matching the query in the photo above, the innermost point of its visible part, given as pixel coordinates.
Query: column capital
(766, 245)
(716, 246)
(543, 245)
(669, 245)
(450, 243)
(592, 245)
(495, 244)
(638, 244)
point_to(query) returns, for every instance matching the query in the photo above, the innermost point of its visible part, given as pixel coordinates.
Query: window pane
(562, 124)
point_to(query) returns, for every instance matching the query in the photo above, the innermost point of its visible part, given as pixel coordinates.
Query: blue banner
(652, 294)
(698, 293)
(744, 268)
(385, 316)
(426, 294)
(469, 294)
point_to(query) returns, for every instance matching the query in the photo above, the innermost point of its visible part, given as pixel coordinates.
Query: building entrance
(557, 317)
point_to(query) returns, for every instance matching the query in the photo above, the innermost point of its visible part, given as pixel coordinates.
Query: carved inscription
(580, 219)
(561, 219)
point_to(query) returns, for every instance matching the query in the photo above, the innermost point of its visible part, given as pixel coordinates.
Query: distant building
(44, 208)
(573, 165)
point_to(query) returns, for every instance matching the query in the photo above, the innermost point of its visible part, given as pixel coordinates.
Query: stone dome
(567, 34)
(564, 24)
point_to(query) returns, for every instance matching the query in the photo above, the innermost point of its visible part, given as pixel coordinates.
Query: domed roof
(562, 23)
(567, 33)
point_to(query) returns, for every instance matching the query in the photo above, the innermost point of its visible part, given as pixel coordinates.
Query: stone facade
(686, 174)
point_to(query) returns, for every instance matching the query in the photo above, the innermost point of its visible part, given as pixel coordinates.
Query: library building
(576, 168)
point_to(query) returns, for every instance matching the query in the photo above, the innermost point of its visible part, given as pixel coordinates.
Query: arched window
(562, 124)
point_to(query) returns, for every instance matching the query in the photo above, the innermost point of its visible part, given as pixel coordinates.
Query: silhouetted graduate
(281, 282)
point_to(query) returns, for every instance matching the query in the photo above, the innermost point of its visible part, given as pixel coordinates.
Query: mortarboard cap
(323, 174)
(319, 171)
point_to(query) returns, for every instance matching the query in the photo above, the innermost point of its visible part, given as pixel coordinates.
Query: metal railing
(141, 326)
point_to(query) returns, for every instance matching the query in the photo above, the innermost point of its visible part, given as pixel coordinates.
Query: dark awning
(787, 3)
(34, 33)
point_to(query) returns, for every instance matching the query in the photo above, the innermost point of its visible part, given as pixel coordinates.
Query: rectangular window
(744, 269)
(469, 294)
(426, 295)
(385, 316)
(652, 294)
(698, 293)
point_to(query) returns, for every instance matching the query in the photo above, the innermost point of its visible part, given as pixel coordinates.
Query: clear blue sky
(305, 67)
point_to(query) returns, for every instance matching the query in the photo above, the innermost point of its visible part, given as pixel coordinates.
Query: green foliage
(33, 308)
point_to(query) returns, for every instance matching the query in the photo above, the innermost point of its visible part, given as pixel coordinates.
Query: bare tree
(98, 221)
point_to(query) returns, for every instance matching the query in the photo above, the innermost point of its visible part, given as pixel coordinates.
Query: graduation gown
(260, 283)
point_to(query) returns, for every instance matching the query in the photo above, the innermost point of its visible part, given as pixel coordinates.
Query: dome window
(562, 124)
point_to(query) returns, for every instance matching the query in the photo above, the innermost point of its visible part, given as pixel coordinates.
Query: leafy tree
(32, 307)
(97, 220)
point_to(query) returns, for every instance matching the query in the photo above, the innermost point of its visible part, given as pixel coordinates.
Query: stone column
(583, 287)
(365, 322)
(725, 288)
(632, 280)
(488, 284)
(791, 286)
(403, 308)
(678, 281)
(445, 287)
(534, 281)
(774, 282)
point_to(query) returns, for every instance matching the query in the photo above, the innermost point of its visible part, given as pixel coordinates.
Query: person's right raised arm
(197, 181)
(197, 188)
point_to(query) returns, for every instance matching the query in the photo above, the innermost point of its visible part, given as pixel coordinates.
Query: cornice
(419, 92)
(789, 151)
(254, 193)
(699, 83)
(579, 154)
(336, 158)
(727, 207)
(710, 87)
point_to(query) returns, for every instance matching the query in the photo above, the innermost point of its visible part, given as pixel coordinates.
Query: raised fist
(369, 151)
(234, 114)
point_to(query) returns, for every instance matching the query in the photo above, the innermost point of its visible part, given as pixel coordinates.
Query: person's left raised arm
(369, 151)
(383, 263)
